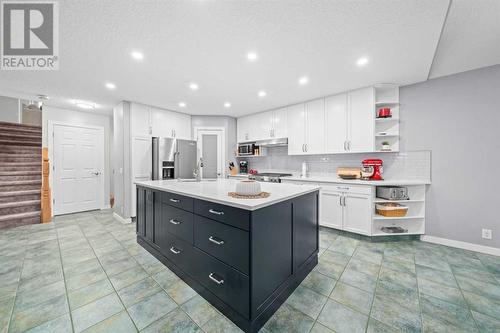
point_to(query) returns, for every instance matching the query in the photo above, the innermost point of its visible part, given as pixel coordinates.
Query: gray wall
(458, 118)
(229, 123)
(9, 109)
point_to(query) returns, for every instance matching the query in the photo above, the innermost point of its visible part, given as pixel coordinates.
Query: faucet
(197, 170)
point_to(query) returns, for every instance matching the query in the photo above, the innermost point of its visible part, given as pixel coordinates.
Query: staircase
(20, 174)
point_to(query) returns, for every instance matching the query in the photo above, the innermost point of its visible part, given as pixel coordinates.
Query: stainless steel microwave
(246, 149)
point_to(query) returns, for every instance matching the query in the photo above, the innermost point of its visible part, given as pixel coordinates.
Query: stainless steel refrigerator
(173, 158)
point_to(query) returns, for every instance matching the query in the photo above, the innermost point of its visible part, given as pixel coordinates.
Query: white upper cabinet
(140, 120)
(315, 127)
(170, 124)
(336, 123)
(361, 130)
(242, 129)
(280, 126)
(263, 126)
(296, 120)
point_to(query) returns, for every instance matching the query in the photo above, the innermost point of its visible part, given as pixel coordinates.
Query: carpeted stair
(20, 174)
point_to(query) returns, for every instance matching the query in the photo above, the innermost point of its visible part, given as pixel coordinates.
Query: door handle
(213, 278)
(216, 212)
(174, 250)
(175, 200)
(174, 221)
(214, 240)
(97, 173)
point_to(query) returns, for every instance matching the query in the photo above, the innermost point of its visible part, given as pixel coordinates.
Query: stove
(271, 177)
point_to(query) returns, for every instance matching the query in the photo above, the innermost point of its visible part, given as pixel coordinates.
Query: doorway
(78, 168)
(211, 149)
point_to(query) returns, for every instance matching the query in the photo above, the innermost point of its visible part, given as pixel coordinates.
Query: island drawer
(236, 217)
(178, 201)
(225, 282)
(178, 222)
(179, 252)
(226, 243)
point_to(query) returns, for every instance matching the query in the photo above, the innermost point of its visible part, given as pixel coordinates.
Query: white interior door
(211, 151)
(78, 161)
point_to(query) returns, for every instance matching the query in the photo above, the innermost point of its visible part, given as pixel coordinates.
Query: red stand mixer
(372, 169)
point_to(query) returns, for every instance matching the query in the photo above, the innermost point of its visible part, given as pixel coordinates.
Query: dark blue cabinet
(245, 263)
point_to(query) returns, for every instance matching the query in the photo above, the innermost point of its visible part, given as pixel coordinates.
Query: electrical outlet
(487, 234)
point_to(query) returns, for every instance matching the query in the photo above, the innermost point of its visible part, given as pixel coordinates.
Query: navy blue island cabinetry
(244, 262)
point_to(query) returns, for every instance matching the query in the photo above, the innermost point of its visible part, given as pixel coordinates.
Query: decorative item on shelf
(391, 209)
(256, 151)
(253, 172)
(394, 230)
(384, 113)
(348, 173)
(386, 146)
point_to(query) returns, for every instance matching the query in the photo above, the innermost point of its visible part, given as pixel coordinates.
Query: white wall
(83, 118)
(9, 109)
(458, 118)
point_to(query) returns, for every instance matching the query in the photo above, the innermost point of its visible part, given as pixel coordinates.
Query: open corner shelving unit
(387, 129)
(414, 221)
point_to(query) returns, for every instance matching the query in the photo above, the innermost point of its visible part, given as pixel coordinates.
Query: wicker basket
(391, 209)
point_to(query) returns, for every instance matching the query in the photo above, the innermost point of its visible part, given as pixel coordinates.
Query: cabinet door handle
(214, 240)
(343, 201)
(306, 148)
(175, 200)
(216, 212)
(349, 145)
(340, 200)
(174, 250)
(213, 278)
(173, 221)
(303, 149)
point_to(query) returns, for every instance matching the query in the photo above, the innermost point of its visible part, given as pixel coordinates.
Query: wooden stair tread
(21, 173)
(20, 182)
(19, 216)
(20, 163)
(7, 124)
(19, 203)
(19, 193)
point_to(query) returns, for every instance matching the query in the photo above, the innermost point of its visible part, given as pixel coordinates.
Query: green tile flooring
(86, 273)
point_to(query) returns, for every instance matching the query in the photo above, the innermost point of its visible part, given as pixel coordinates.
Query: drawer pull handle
(216, 212)
(211, 276)
(174, 250)
(214, 240)
(173, 221)
(175, 200)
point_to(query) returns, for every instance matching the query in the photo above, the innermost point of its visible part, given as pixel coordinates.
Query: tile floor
(85, 273)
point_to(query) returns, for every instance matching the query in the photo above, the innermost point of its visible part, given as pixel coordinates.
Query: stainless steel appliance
(269, 177)
(246, 149)
(173, 158)
(392, 192)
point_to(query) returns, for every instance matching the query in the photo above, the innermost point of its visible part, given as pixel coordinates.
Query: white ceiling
(206, 42)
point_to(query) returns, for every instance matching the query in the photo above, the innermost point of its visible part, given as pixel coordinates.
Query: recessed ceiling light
(303, 80)
(252, 56)
(85, 105)
(362, 61)
(227, 105)
(262, 93)
(182, 104)
(137, 55)
(193, 86)
(110, 85)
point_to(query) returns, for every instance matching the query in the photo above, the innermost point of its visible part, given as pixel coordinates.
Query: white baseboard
(106, 207)
(121, 219)
(461, 245)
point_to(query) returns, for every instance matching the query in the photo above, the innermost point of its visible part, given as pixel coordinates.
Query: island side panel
(305, 229)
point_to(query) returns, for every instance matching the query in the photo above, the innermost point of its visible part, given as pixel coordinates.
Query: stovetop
(273, 177)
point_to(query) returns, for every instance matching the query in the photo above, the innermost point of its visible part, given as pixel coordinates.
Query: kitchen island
(244, 256)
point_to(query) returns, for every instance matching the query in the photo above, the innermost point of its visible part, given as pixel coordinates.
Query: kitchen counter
(217, 191)
(335, 180)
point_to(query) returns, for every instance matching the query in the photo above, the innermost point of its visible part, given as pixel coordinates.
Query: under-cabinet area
(244, 262)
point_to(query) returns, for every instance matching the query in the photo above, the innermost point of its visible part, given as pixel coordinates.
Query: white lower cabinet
(346, 208)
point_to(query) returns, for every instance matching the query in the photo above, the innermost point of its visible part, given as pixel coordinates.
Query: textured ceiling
(206, 42)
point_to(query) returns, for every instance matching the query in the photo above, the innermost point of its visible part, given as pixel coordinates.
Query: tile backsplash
(410, 165)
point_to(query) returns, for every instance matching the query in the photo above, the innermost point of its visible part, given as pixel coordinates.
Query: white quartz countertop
(217, 191)
(335, 180)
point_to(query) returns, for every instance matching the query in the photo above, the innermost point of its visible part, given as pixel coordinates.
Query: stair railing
(46, 201)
